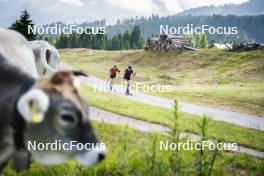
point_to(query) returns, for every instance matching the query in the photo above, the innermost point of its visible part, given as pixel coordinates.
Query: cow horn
(33, 105)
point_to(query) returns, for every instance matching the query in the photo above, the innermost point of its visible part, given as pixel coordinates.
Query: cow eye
(68, 119)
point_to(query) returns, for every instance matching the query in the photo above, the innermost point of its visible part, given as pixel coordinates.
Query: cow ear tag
(36, 116)
(33, 105)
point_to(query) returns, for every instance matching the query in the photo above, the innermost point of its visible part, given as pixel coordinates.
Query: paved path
(111, 118)
(240, 119)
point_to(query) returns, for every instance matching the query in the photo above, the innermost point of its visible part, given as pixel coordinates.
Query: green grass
(130, 152)
(217, 130)
(211, 77)
(235, 98)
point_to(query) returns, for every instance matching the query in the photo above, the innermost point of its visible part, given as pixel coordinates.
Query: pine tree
(136, 41)
(126, 40)
(109, 44)
(120, 39)
(190, 40)
(198, 41)
(204, 41)
(86, 40)
(115, 43)
(22, 25)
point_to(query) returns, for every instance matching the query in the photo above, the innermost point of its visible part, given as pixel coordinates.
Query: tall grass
(175, 135)
(130, 152)
(204, 162)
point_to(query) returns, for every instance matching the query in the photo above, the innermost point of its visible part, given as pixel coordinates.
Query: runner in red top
(113, 72)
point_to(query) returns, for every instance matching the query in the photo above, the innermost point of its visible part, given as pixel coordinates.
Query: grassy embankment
(131, 152)
(215, 78)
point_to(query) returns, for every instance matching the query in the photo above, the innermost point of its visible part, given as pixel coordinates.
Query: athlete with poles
(127, 77)
(113, 72)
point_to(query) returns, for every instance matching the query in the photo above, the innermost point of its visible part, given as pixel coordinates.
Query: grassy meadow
(211, 77)
(131, 152)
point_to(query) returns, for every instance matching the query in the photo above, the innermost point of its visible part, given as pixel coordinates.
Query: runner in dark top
(127, 77)
(113, 72)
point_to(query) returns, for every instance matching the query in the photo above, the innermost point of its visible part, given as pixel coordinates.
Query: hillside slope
(215, 78)
(251, 7)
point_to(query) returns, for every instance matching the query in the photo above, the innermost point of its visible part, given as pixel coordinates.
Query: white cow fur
(16, 49)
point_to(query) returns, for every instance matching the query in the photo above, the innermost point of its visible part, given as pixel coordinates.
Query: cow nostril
(101, 156)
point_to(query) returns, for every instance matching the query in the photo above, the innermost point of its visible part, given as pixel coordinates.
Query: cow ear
(45, 55)
(79, 73)
(33, 105)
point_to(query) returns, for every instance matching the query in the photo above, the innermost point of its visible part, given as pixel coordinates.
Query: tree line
(127, 40)
(250, 28)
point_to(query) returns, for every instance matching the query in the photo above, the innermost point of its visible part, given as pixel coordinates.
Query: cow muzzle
(90, 158)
